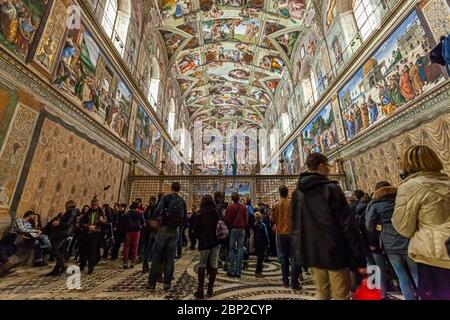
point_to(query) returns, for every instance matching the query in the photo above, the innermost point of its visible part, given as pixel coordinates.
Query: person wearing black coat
(91, 225)
(62, 228)
(192, 222)
(119, 229)
(107, 241)
(208, 244)
(327, 235)
(385, 240)
(261, 242)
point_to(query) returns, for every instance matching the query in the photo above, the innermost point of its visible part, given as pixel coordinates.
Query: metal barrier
(261, 189)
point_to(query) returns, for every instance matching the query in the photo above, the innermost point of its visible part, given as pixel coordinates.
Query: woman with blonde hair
(422, 213)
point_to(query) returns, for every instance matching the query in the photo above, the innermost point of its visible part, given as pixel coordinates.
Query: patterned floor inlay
(110, 282)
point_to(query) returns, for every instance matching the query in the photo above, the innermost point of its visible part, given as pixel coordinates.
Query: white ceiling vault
(229, 56)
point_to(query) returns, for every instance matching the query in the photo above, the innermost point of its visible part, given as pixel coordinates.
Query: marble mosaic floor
(110, 282)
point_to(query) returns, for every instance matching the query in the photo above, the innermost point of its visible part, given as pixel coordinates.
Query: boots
(212, 279)
(201, 283)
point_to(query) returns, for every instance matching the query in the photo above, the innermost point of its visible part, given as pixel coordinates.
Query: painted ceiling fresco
(230, 55)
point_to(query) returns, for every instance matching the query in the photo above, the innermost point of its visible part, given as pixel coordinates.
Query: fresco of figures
(320, 135)
(228, 72)
(84, 72)
(190, 28)
(189, 62)
(172, 41)
(170, 165)
(147, 138)
(293, 9)
(242, 188)
(287, 42)
(272, 63)
(213, 152)
(245, 30)
(397, 73)
(184, 84)
(269, 28)
(291, 156)
(175, 9)
(19, 21)
(222, 88)
(238, 53)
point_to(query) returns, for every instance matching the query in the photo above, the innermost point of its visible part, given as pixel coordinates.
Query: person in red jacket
(236, 220)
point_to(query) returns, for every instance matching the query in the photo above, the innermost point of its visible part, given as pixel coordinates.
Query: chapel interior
(117, 99)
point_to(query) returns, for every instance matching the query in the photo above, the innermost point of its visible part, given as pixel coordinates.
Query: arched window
(183, 138)
(115, 20)
(285, 123)
(153, 91)
(171, 118)
(366, 16)
(109, 16)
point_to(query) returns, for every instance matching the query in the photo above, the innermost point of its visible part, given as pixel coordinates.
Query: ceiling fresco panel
(229, 55)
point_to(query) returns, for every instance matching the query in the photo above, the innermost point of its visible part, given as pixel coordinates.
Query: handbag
(153, 224)
(222, 231)
(363, 292)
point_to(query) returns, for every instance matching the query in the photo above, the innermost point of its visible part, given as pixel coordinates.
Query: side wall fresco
(48, 154)
(393, 78)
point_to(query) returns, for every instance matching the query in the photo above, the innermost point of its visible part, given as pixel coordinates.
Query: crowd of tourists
(315, 229)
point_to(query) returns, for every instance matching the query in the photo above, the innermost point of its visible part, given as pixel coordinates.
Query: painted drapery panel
(66, 166)
(381, 163)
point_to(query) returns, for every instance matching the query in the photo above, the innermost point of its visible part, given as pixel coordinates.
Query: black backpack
(174, 213)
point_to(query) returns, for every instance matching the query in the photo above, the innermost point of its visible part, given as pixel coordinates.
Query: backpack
(222, 231)
(174, 213)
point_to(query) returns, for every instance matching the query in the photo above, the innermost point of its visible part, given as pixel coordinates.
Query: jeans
(148, 255)
(406, 271)
(180, 241)
(165, 250)
(33, 244)
(285, 250)
(44, 242)
(209, 257)
(380, 261)
(236, 253)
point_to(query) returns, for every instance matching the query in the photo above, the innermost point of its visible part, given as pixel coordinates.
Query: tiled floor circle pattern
(111, 282)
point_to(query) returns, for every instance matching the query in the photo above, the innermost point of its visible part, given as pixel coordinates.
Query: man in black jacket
(62, 228)
(119, 224)
(327, 235)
